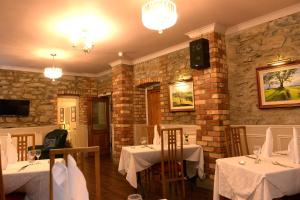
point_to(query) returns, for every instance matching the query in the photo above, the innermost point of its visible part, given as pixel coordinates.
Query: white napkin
(77, 182)
(60, 182)
(3, 142)
(267, 147)
(11, 151)
(156, 138)
(3, 160)
(293, 148)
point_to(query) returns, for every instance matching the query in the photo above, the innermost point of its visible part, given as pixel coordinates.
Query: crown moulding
(214, 27)
(35, 70)
(121, 62)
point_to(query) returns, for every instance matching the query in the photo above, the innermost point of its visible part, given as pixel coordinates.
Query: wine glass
(143, 141)
(38, 153)
(257, 151)
(31, 156)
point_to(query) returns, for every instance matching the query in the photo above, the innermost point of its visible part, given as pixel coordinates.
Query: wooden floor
(115, 187)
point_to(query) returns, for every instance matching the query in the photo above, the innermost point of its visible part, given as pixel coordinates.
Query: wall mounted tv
(10, 107)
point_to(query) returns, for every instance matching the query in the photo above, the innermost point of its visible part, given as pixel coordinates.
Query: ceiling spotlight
(120, 53)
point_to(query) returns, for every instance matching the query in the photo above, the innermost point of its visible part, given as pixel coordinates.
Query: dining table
(31, 178)
(135, 159)
(242, 178)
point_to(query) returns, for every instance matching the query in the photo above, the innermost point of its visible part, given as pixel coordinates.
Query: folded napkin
(77, 182)
(3, 160)
(3, 141)
(293, 147)
(60, 182)
(11, 151)
(156, 138)
(267, 147)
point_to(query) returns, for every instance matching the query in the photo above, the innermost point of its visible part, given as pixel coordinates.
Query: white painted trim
(269, 125)
(214, 27)
(106, 72)
(32, 69)
(279, 140)
(264, 18)
(161, 52)
(120, 62)
(24, 69)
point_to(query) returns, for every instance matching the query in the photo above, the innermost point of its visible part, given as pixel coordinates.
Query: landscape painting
(279, 86)
(181, 96)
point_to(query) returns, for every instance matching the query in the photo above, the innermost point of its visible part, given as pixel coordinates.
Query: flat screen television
(10, 107)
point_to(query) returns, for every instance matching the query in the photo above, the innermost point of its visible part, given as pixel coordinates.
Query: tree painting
(181, 96)
(282, 85)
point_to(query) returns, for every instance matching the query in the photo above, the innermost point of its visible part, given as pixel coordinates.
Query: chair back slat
(79, 156)
(23, 143)
(233, 141)
(173, 157)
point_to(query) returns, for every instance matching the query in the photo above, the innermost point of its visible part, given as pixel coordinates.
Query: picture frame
(61, 114)
(181, 96)
(73, 114)
(279, 86)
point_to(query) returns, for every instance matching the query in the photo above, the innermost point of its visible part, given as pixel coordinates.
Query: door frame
(89, 120)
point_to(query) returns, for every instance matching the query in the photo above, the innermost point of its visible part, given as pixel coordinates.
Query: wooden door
(154, 115)
(99, 129)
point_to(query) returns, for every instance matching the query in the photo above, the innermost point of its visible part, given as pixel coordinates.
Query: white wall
(281, 135)
(40, 132)
(140, 130)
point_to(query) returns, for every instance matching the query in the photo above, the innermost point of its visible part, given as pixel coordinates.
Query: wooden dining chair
(233, 141)
(79, 155)
(23, 143)
(172, 159)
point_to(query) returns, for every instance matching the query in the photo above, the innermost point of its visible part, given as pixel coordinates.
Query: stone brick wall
(252, 48)
(122, 100)
(42, 93)
(210, 90)
(104, 83)
(139, 106)
(165, 70)
(212, 103)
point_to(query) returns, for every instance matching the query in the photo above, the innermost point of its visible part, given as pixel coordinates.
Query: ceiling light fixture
(83, 39)
(53, 72)
(159, 14)
(120, 53)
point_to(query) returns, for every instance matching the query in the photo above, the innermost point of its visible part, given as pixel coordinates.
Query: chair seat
(15, 196)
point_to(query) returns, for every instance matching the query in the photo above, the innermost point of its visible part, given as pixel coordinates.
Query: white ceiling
(30, 30)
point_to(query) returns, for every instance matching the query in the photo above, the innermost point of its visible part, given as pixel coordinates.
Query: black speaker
(199, 54)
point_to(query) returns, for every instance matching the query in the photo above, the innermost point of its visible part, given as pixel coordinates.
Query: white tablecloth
(134, 159)
(256, 181)
(33, 180)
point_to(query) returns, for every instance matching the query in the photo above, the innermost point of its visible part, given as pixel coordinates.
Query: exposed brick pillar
(212, 102)
(122, 102)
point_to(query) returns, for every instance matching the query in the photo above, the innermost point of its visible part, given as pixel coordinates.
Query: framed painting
(73, 114)
(279, 86)
(181, 96)
(61, 114)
